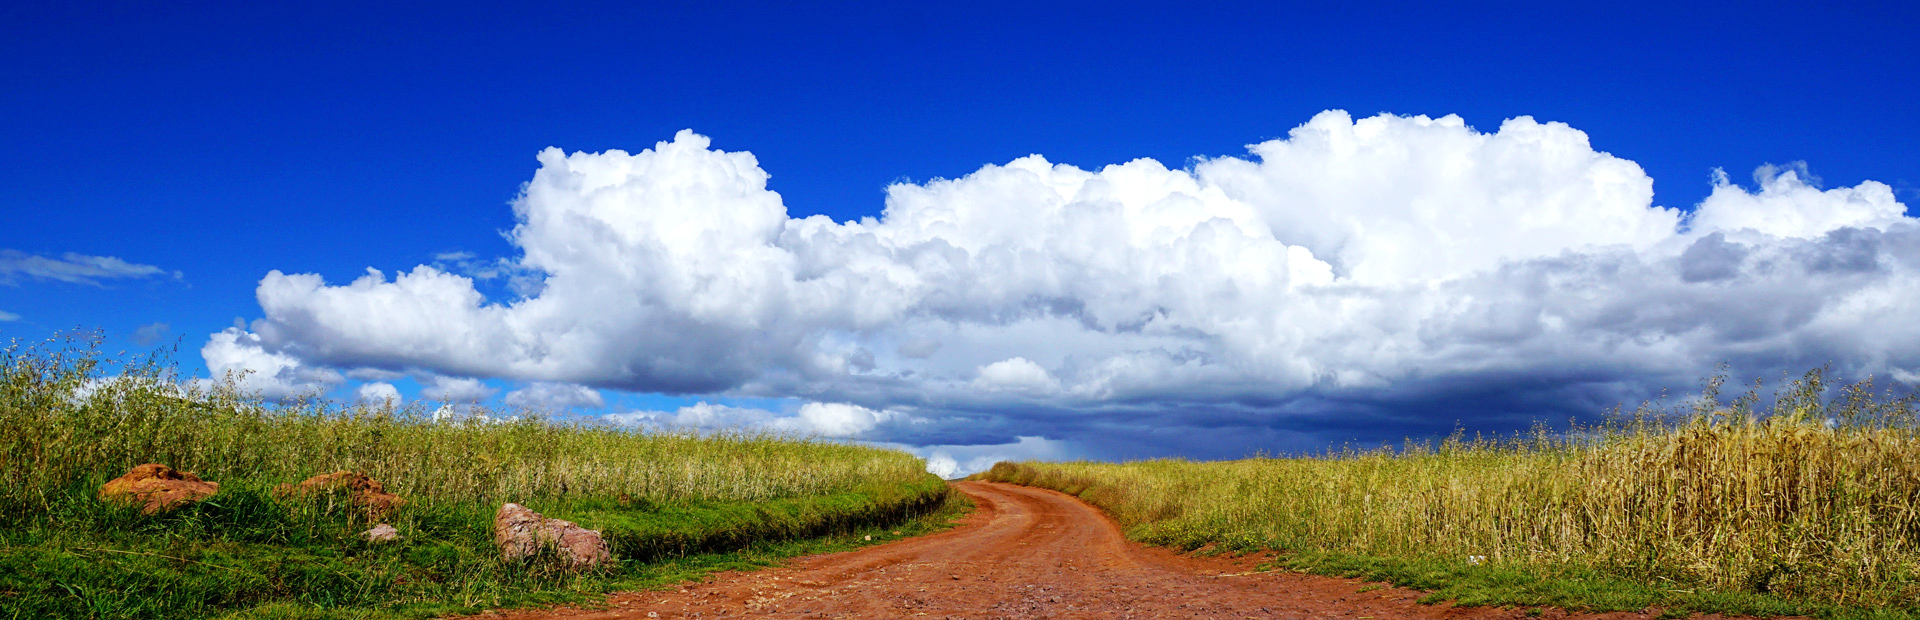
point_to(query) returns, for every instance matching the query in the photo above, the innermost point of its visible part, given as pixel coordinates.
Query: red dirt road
(1025, 553)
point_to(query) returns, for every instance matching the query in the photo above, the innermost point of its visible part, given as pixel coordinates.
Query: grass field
(671, 504)
(1809, 505)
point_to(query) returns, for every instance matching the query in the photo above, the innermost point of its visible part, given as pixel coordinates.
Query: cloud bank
(1388, 274)
(813, 419)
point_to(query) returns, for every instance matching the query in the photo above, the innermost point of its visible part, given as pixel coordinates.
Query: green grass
(215, 560)
(672, 505)
(1567, 586)
(1809, 507)
(641, 532)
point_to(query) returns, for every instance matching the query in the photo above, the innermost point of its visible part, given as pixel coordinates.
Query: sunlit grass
(1814, 499)
(60, 422)
(662, 498)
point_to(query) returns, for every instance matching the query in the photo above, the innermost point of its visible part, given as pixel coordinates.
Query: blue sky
(218, 142)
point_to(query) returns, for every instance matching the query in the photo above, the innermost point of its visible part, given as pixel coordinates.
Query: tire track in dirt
(1026, 553)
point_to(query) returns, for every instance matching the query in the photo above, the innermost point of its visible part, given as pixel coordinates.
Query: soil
(1028, 553)
(157, 488)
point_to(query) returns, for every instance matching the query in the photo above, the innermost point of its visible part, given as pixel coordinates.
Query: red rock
(155, 488)
(522, 533)
(363, 491)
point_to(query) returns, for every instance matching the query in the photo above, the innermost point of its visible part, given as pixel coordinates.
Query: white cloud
(813, 419)
(702, 415)
(468, 414)
(237, 354)
(8, 316)
(74, 268)
(543, 395)
(1352, 258)
(117, 385)
(1789, 204)
(379, 392)
(957, 461)
(1017, 374)
(455, 389)
(839, 419)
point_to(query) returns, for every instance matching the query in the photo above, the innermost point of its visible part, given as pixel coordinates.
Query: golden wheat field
(1815, 498)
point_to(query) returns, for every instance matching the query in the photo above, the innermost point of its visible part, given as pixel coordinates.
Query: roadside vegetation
(1809, 505)
(671, 505)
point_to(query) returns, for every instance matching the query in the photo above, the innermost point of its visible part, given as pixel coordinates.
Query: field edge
(1462, 582)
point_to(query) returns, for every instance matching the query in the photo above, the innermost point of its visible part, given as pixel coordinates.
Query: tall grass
(1813, 499)
(62, 421)
(72, 418)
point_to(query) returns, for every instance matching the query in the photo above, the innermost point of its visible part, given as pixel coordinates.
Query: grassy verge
(672, 505)
(1809, 507)
(211, 560)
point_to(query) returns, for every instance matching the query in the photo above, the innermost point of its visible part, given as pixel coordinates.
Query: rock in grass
(360, 489)
(522, 533)
(155, 488)
(382, 533)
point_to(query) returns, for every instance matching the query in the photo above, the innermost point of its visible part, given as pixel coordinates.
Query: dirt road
(1025, 553)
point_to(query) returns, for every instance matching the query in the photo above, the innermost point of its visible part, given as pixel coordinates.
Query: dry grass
(673, 505)
(1814, 499)
(62, 424)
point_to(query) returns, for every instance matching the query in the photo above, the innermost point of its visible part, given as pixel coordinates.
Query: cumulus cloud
(1357, 275)
(555, 396)
(957, 461)
(1018, 374)
(238, 355)
(1790, 203)
(376, 392)
(839, 419)
(813, 419)
(73, 268)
